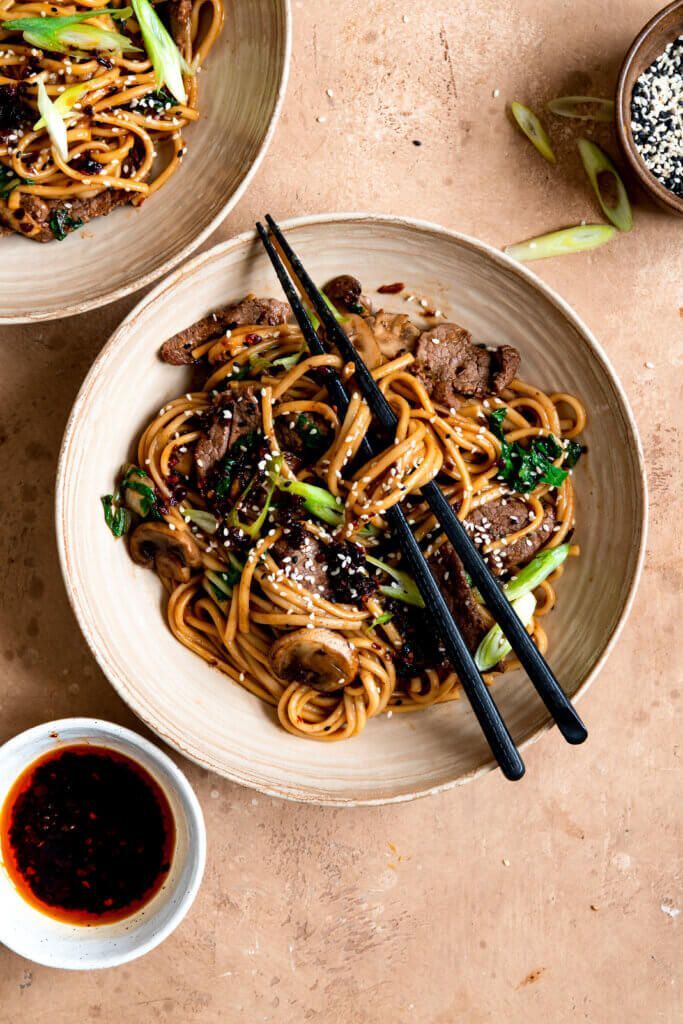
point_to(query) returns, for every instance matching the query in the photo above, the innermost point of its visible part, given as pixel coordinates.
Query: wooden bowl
(650, 42)
(241, 91)
(119, 605)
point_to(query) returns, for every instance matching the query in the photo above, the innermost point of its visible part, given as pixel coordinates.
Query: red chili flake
(391, 289)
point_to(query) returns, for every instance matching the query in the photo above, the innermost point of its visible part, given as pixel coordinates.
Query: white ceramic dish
(242, 89)
(44, 940)
(119, 605)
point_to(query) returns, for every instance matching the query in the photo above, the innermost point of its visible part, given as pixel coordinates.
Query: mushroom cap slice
(319, 658)
(172, 552)
(361, 337)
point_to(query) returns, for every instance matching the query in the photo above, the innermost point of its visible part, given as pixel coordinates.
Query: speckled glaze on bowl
(241, 92)
(119, 605)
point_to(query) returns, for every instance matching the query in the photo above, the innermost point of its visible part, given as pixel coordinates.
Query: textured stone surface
(553, 900)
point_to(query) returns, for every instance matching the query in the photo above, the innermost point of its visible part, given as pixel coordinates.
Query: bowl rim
(87, 305)
(103, 730)
(166, 288)
(623, 115)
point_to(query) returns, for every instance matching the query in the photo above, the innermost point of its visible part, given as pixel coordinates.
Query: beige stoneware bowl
(119, 605)
(241, 91)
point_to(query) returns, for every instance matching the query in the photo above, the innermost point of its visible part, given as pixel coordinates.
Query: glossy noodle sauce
(87, 835)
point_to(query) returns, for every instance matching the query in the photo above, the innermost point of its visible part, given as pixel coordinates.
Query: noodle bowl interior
(249, 501)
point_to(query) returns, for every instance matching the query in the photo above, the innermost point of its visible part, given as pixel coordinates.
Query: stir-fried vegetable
(534, 130)
(494, 647)
(598, 166)
(204, 520)
(525, 468)
(219, 585)
(64, 103)
(52, 118)
(573, 106)
(62, 223)
(332, 308)
(382, 619)
(9, 181)
(169, 64)
(404, 588)
(580, 238)
(138, 492)
(539, 568)
(61, 34)
(117, 518)
(252, 530)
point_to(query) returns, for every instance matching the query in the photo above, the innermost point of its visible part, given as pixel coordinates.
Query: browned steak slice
(450, 365)
(502, 517)
(178, 349)
(44, 220)
(449, 573)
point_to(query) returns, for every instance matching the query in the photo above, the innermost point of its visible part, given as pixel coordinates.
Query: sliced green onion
(204, 520)
(317, 500)
(539, 568)
(65, 102)
(580, 238)
(252, 530)
(494, 647)
(56, 128)
(61, 33)
(570, 106)
(161, 50)
(595, 163)
(382, 619)
(404, 589)
(534, 130)
(332, 308)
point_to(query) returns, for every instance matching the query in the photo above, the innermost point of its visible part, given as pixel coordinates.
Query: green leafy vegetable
(494, 647)
(138, 492)
(561, 243)
(60, 34)
(168, 62)
(573, 451)
(539, 568)
(234, 460)
(404, 588)
(571, 106)
(523, 469)
(598, 166)
(62, 223)
(314, 439)
(155, 102)
(382, 619)
(117, 518)
(534, 130)
(496, 420)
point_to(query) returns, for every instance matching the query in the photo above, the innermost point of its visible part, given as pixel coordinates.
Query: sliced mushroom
(318, 658)
(171, 552)
(393, 332)
(361, 337)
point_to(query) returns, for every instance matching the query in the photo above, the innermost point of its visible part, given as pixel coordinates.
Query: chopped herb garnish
(572, 453)
(314, 439)
(496, 421)
(116, 517)
(155, 102)
(62, 223)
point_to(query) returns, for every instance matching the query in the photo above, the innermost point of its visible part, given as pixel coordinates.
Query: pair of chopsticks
(478, 694)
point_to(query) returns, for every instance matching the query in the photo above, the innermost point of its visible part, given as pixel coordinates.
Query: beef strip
(305, 562)
(234, 415)
(450, 365)
(501, 517)
(178, 349)
(33, 215)
(449, 573)
(181, 24)
(350, 580)
(306, 447)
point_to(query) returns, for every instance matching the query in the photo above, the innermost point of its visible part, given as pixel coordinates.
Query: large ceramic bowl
(241, 91)
(119, 605)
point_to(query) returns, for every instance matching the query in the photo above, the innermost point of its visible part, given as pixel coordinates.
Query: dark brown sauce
(87, 835)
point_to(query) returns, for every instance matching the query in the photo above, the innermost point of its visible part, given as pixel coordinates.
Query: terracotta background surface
(555, 900)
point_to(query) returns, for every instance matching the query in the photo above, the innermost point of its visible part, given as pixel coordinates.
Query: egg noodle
(236, 634)
(113, 123)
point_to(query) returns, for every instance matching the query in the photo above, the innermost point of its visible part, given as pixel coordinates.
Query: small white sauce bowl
(48, 941)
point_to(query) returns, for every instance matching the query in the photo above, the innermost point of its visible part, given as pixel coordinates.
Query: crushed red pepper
(87, 835)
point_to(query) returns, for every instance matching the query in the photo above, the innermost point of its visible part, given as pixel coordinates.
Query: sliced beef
(235, 414)
(449, 573)
(178, 349)
(346, 294)
(450, 365)
(305, 562)
(305, 436)
(502, 517)
(44, 220)
(350, 580)
(394, 333)
(181, 24)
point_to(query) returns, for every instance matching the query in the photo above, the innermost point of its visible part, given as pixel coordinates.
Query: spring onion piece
(382, 619)
(204, 520)
(332, 308)
(252, 530)
(168, 62)
(64, 103)
(403, 589)
(532, 575)
(220, 584)
(494, 647)
(56, 128)
(596, 163)
(580, 238)
(60, 34)
(571, 106)
(534, 130)
(317, 500)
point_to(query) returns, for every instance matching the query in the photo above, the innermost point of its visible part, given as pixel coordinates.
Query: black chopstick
(535, 665)
(478, 694)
